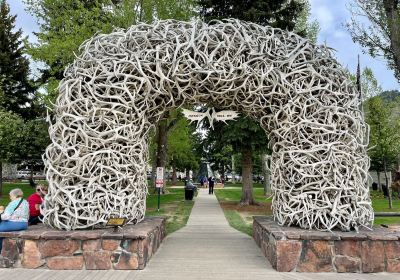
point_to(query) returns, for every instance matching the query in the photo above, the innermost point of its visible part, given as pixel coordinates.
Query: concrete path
(207, 248)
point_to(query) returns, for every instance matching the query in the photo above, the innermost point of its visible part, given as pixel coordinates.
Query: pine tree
(276, 13)
(17, 90)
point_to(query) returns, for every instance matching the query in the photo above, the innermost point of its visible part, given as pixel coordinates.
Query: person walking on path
(211, 182)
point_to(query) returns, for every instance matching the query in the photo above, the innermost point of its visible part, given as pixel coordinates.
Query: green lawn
(173, 204)
(7, 187)
(241, 218)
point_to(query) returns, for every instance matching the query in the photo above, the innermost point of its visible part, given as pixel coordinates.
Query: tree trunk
(31, 173)
(162, 140)
(393, 19)
(174, 175)
(187, 174)
(153, 172)
(389, 188)
(266, 174)
(247, 177)
(1, 178)
(233, 169)
(223, 173)
(378, 174)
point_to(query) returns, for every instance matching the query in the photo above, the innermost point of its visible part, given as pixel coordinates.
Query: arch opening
(123, 82)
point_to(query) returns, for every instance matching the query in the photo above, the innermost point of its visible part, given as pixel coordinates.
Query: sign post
(159, 184)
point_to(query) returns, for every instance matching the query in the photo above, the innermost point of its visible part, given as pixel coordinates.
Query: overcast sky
(331, 15)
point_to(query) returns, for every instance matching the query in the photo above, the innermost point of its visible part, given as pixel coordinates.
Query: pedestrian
(35, 201)
(202, 182)
(211, 182)
(15, 216)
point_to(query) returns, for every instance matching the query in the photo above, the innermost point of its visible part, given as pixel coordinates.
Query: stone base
(42, 247)
(295, 249)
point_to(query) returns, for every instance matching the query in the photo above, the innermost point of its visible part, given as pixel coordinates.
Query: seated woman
(15, 216)
(35, 201)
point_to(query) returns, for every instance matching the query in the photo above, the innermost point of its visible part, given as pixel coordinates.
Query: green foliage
(390, 95)
(287, 15)
(304, 26)
(369, 84)
(277, 13)
(381, 36)
(16, 87)
(384, 135)
(22, 141)
(180, 146)
(36, 139)
(11, 137)
(65, 25)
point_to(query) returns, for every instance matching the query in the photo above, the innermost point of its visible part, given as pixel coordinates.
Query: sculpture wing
(193, 116)
(226, 115)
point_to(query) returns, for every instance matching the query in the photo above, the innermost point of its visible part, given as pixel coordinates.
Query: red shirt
(34, 199)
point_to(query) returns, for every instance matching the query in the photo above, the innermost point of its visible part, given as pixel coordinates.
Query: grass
(173, 205)
(7, 187)
(241, 218)
(381, 204)
(237, 222)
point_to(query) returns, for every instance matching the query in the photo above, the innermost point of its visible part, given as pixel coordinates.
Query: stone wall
(41, 247)
(295, 249)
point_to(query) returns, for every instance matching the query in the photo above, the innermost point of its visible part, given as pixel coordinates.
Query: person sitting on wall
(15, 216)
(35, 201)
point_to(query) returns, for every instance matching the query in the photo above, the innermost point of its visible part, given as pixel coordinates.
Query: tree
(65, 25)
(303, 25)
(17, 89)
(369, 84)
(214, 148)
(276, 13)
(35, 139)
(381, 38)
(245, 135)
(181, 154)
(11, 135)
(384, 136)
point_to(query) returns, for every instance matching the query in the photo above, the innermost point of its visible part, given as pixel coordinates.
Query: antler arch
(123, 82)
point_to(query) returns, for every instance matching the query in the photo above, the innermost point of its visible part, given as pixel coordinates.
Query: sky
(331, 15)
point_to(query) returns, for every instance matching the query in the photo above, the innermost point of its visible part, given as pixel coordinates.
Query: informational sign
(116, 222)
(211, 115)
(160, 177)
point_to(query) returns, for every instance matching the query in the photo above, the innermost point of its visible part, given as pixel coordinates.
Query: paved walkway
(207, 248)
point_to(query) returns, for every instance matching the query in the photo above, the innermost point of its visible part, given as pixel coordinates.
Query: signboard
(160, 177)
(211, 115)
(115, 222)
